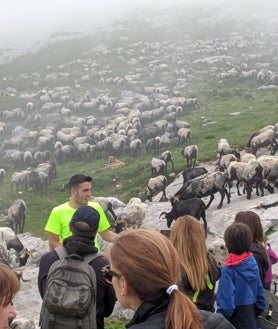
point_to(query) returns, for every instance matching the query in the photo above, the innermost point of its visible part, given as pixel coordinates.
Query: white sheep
(184, 135)
(156, 184)
(135, 213)
(223, 147)
(264, 139)
(158, 166)
(269, 163)
(248, 157)
(225, 161)
(16, 215)
(2, 175)
(249, 173)
(190, 153)
(166, 156)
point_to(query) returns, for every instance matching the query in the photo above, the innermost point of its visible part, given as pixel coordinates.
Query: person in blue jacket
(240, 296)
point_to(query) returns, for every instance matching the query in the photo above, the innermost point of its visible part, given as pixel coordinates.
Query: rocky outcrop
(28, 301)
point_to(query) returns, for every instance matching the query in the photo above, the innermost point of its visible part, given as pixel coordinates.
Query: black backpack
(70, 294)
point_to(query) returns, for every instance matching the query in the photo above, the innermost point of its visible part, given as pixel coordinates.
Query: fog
(25, 22)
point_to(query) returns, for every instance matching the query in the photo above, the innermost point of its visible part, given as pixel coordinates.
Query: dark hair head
(238, 238)
(253, 221)
(84, 222)
(77, 179)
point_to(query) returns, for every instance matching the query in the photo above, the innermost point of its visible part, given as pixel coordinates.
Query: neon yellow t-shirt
(60, 216)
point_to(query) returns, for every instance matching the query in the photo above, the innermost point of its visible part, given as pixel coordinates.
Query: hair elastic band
(171, 288)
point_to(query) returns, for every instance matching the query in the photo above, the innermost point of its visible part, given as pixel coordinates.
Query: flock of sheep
(246, 168)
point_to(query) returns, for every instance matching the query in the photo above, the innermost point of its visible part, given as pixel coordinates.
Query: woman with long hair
(144, 270)
(199, 270)
(253, 221)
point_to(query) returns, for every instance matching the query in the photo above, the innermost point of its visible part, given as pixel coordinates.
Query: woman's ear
(125, 287)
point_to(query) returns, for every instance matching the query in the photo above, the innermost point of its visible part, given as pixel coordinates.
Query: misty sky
(26, 21)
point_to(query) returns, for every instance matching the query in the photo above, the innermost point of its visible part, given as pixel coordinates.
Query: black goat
(194, 207)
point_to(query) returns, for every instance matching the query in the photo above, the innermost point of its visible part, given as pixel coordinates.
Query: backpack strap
(90, 257)
(209, 286)
(62, 253)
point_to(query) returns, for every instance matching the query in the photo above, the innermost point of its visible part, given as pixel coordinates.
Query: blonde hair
(147, 256)
(188, 237)
(9, 285)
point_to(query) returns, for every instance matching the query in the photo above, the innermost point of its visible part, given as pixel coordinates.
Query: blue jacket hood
(248, 269)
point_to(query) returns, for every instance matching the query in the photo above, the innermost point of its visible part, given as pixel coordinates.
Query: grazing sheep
(9, 242)
(153, 144)
(20, 179)
(194, 207)
(249, 173)
(190, 153)
(16, 215)
(270, 167)
(225, 161)
(248, 157)
(191, 173)
(184, 135)
(223, 147)
(167, 157)
(135, 147)
(205, 185)
(135, 213)
(156, 184)
(10, 238)
(157, 167)
(263, 139)
(2, 175)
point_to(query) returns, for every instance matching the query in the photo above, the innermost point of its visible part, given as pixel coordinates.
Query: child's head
(238, 238)
(253, 220)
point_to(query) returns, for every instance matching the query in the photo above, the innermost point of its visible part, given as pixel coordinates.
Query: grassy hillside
(218, 105)
(131, 180)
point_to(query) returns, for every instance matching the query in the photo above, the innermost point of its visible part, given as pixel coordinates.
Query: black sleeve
(45, 262)
(105, 293)
(262, 262)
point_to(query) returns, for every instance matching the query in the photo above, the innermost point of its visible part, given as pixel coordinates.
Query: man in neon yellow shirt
(57, 226)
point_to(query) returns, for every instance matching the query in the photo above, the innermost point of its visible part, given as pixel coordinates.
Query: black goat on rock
(194, 207)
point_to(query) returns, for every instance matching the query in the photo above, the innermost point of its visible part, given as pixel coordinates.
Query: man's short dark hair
(238, 238)
(77, 179)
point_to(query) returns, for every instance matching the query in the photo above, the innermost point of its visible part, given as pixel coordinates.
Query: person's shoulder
(214, 320)
(49, 257)
(94, 205)
(97, 207)
(60, 207)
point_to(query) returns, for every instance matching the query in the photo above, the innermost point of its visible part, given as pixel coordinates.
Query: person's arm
(53, 240)
(108, 236)
(225, 302)
(271, 254)
(260, 302)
